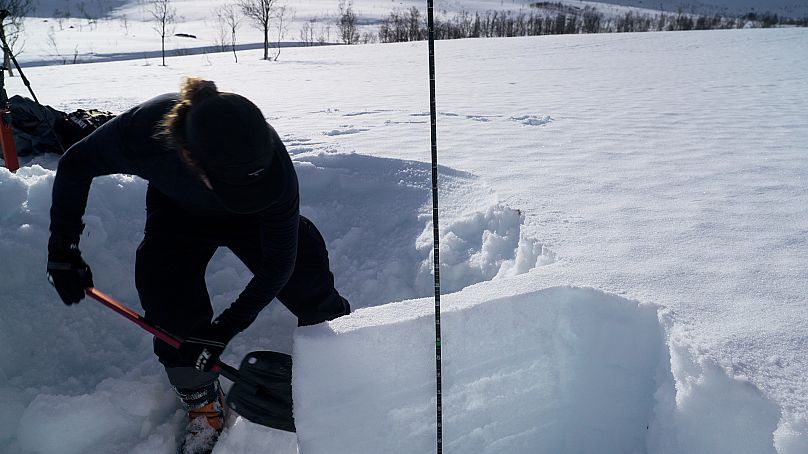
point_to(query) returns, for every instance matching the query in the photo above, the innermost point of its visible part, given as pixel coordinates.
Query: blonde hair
(193, 90)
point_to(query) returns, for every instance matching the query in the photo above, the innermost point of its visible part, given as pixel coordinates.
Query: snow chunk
(245, 436)
(483, 246)
(375, 215)
(62, 424)
(533, 120)
(96, 422)
(342, 132)
(791, 437)
(710, 412)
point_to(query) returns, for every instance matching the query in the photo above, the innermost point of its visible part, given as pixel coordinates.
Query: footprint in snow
(532, 120)
(480, 118)
(342, 132)
(360, 113)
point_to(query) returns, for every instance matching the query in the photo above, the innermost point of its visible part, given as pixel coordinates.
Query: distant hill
(789, 8)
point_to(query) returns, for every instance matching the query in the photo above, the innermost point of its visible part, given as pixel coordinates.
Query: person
(218, 176)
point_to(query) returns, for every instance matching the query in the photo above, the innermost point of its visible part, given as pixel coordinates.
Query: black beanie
(230, 138)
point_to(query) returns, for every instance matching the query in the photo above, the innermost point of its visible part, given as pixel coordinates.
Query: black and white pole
(433, 115)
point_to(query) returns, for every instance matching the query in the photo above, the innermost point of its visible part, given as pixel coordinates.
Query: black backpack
(33, 126)
(43, 129)
(80, 124)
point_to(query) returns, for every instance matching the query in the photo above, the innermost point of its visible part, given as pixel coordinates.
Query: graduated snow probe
(262, 386)
(433, 115)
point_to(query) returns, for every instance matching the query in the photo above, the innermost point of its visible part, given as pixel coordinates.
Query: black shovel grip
(229, 372)
(262, 393)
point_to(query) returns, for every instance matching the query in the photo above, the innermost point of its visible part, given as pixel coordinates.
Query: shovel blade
(263, 394)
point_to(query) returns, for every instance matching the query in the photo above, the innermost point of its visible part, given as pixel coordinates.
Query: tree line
(547, 18)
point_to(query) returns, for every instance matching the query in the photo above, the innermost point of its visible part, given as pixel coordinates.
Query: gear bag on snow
(33, 126)
(79, 124)
(43, 129)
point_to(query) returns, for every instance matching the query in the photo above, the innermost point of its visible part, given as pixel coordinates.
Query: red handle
(158, 332)
(219, 367)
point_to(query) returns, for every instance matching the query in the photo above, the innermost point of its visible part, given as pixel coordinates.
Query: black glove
(202, 348)
(67, 272)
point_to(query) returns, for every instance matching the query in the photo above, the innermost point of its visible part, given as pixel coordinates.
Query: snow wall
(562, 370)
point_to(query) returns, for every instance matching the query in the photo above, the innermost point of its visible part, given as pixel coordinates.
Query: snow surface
(624, 217)
(126, 28)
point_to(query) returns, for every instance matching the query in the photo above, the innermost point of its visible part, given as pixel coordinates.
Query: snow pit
(556, 370)
(373, 212)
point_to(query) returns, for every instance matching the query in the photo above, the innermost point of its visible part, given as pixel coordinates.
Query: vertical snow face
(562, 370)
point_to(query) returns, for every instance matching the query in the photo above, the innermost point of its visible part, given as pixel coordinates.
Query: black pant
(170, 274)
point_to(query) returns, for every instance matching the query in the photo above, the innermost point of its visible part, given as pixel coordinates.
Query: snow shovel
(262, 386)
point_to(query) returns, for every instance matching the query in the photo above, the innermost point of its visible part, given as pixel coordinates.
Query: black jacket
(128, 144)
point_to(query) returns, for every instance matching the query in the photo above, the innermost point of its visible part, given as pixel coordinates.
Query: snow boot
(206, 417)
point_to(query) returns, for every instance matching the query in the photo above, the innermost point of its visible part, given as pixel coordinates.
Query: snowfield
(624, 233)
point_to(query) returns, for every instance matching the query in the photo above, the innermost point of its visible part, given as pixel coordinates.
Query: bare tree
(325, 34)
(229, 19)
(347, 23)
(164, 16)
(60, 17)
(307, 32)
(221, 42)
(283, 14)
(261, 13)
(369, 38)
(89, 14)
(12, 28)
(125, 23)
(52, 41)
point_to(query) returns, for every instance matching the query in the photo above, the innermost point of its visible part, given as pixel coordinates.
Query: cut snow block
(558, 370)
